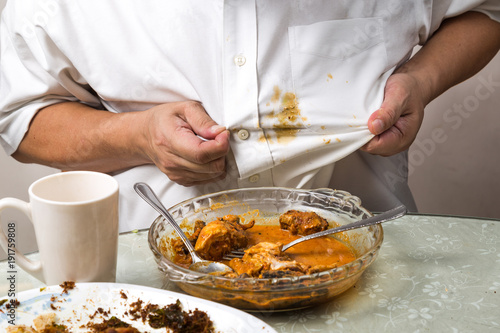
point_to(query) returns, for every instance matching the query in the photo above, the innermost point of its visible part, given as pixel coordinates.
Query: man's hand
(398, 120)
(175, 146)
(461, 47)
(74, 136)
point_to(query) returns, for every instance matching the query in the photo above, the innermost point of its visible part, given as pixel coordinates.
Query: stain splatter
(287, 118)
(284, 136)
(290, 113)
(265, 138)
(276, 96)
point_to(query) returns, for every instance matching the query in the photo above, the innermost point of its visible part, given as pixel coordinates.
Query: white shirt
(294, 81)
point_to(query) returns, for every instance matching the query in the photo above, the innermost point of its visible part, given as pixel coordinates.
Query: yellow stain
(288, 120)
(276, 96)
(285, 136)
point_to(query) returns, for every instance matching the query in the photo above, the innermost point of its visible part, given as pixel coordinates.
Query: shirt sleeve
(443, 9)
(490, 8)
(34, 73)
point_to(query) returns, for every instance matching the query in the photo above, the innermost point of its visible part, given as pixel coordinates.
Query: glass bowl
(265, 205)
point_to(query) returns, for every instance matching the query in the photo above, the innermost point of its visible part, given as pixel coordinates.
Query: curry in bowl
(263, 257)
(314, 273)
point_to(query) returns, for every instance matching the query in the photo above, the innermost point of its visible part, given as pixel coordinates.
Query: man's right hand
(75, 136)
(173, 132)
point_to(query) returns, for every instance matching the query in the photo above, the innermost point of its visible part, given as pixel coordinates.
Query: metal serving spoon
(199, 264)
(384, 217)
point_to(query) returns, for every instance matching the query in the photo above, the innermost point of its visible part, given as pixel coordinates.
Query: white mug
(75, 218)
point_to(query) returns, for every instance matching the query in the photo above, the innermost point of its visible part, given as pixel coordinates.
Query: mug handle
(32, 267)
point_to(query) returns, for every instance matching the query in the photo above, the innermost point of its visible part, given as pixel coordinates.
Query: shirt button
(254, 178)
(243, 134)
(240, 60)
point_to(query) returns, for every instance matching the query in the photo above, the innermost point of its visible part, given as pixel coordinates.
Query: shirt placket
(241, 113)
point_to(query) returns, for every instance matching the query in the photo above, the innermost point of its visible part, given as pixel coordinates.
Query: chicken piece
(302, 223)
(181, 253)
(265, 259)
(222, 236)
(198, 226)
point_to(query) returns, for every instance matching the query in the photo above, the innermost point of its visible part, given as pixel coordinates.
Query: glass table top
(433, 273)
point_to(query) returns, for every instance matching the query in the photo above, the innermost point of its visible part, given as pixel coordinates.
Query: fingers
(200, 122)
(196, 150)
(386, 116)
(396, 123)
(391, 141)
(188, 146)
(190, 176)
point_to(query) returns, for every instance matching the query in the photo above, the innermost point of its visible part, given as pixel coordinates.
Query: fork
(383, 217)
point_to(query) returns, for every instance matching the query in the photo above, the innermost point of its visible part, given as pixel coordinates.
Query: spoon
(199, 265)
(384, 217)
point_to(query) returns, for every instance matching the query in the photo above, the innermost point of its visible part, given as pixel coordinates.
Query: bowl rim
(346, 270)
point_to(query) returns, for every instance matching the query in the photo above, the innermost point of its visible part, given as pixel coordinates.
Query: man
(198, 97)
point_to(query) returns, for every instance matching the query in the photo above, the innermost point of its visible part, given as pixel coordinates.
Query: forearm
(459, 49)
(73, 136)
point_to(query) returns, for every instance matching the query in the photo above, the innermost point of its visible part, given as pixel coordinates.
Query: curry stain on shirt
(285, 136)
(289, 120)
(265, 138)
(276, 96)
(290, 112)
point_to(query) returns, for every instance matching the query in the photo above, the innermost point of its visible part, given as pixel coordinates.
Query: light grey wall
(455, 160)
(15, 179)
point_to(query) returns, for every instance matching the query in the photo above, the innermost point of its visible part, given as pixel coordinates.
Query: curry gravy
(318, 251)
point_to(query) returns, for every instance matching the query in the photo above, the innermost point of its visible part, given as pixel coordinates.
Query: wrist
(423, 80)
(129, 138)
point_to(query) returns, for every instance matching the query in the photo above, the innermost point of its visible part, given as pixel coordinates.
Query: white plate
(73, 309)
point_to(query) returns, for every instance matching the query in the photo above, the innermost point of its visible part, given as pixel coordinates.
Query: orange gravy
(318, 251)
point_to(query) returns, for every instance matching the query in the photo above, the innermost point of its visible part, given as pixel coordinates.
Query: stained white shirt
(294, 81)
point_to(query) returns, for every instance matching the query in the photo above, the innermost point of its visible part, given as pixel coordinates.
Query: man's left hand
(396, 123)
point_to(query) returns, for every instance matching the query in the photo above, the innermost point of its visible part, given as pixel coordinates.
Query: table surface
(433, 274)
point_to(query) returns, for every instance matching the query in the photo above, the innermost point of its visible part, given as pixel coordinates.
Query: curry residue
(319, 251)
